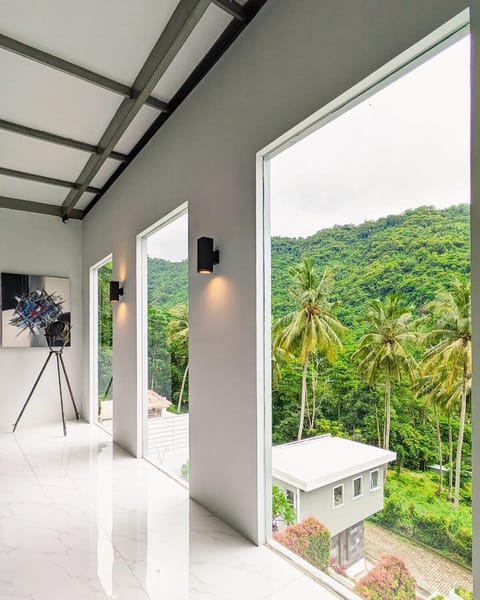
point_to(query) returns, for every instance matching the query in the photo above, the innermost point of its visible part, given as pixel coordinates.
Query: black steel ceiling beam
(65, 66)
(37, 207)
(44, 179)
(53, 138)
(181, 24)
(233, 8)
(225, 40)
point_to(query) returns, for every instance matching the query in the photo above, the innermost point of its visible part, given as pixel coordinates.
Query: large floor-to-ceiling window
(370, 333)
(102, 328)
(164, 251)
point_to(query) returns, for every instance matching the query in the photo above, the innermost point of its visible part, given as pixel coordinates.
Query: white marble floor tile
(82, 520)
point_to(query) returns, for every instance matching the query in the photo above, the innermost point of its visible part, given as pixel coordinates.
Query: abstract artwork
(29, 304)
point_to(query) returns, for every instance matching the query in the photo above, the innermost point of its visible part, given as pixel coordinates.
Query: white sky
(170, 242)
(406, 146)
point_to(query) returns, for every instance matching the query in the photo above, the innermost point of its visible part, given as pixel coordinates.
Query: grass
(421, 487)
(413, 509)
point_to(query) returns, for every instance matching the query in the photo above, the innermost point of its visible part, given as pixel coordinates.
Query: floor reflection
(80, 519)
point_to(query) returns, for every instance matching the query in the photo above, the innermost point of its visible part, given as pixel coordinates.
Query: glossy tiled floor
(82, 520)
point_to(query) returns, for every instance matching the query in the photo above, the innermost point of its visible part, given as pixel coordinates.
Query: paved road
(431, 571)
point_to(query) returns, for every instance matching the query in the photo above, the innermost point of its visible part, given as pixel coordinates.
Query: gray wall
(293, 59)
(319, 503)
(40, 245)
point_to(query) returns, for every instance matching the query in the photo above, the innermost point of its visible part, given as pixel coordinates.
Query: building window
(357, 487)
(374, 480)
(338, 496)
(291, 497)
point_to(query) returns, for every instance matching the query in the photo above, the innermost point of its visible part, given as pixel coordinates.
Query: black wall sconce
(206, 256)
(115, 291)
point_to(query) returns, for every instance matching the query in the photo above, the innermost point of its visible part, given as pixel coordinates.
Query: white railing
(168, 440)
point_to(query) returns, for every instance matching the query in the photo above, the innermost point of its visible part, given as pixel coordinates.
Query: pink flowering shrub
(310, 539)
(339, 569)
(388, 580)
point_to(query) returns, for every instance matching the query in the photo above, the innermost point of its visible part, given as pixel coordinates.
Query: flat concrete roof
(315, 462)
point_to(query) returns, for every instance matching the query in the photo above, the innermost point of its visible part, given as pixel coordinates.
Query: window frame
(359, 478)
(340, 485)
(408, 59)
(378, 486)
(293, 499)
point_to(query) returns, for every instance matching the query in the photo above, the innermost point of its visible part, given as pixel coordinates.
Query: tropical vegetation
(388, 580)
(309, 539)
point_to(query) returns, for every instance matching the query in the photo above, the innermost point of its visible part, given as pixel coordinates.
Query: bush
(431, 529)
(310, 539)
(412, 509)
(393, 512)
(388, 580)
(281, 508)
(463, 593)
(185, 471)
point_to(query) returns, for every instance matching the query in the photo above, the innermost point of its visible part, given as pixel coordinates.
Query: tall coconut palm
(449, 350)
(311, 326)
(430, 387)
(178, 330)
(383, 350)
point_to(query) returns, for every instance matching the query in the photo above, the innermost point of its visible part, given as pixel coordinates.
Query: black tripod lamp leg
(69, 386)
(61, 395)
(32, 390)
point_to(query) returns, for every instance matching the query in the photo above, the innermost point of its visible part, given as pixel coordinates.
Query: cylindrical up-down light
(206, 256)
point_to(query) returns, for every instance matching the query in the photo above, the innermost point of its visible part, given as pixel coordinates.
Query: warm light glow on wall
(122, 313)
(218, 295)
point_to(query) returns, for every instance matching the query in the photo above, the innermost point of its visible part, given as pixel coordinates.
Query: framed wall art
(29, 303)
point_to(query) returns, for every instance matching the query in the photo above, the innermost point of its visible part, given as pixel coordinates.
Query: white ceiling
(206, 33)
(112, 38)
(44, 98)
(35, 156)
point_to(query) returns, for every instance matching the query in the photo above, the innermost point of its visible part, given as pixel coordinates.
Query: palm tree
(449, 351)
(383, 350)
(311, 326)
(178, 332)
(430, 386)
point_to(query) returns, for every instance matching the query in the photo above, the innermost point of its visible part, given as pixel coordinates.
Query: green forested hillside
(167, 282)
(415, 254)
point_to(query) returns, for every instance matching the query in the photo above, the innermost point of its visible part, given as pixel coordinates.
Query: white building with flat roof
(337, 480)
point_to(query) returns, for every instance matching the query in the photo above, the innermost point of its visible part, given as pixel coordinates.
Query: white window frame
(409, 59)
(360, 477)
(142, 328)
(375, 489)
(335, 487)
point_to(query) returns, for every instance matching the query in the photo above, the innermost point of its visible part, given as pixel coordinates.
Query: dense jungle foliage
(417, 255)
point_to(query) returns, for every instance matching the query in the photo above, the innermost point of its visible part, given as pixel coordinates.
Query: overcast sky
(170, 242)
(406, 146)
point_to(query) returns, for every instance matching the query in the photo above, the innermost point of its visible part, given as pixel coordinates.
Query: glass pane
(371, 334)
(338, 495)
(167, 387)
(357, 487)
(104, 339)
